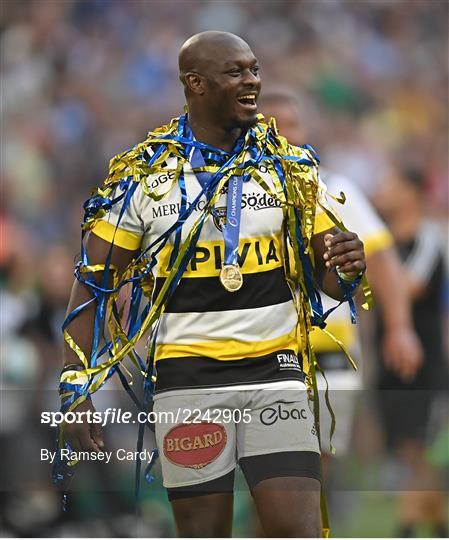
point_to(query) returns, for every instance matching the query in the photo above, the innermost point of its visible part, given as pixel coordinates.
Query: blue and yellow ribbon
(295, 176)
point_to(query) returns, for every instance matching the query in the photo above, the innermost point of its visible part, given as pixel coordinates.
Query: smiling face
(232, 86)
(221, 76)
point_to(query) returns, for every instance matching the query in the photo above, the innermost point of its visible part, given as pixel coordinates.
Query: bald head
(200, 50)
(221, 80)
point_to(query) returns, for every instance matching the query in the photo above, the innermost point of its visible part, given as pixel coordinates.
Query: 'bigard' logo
(194, 445)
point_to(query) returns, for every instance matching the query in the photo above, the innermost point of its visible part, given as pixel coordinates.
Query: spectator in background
(61, 125)
(406, 405)
(401, 348)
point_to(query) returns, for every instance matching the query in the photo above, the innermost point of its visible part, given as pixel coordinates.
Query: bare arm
(84, 436)
(81, 328)
(414, 287)
(400, 346)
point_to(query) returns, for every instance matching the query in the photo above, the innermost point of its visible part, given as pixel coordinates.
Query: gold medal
(231, 278)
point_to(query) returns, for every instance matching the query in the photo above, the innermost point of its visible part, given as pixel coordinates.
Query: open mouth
(248, 101)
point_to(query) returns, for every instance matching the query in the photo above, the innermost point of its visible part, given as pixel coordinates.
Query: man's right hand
(84, 436)
(87, 436)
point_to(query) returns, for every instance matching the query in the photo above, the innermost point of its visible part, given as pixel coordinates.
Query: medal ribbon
(231, 229)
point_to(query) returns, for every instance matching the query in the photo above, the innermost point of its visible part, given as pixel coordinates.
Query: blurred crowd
(85, 79)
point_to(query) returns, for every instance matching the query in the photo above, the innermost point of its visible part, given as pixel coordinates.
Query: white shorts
(206, 434)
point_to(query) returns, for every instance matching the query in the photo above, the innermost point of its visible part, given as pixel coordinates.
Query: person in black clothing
(405, 406)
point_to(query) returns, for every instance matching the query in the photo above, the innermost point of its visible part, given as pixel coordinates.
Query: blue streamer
(200, 155)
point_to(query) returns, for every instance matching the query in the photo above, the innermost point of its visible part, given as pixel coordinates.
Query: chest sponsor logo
(281, 412)
(262, 252)
(161, 179)
(251, 201)
(254, 255)
(172, 209)
(288, 361)
(194, 445)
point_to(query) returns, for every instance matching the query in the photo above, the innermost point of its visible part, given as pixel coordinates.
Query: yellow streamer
(302, 191)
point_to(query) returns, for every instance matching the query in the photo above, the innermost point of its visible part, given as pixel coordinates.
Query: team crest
(219, 215)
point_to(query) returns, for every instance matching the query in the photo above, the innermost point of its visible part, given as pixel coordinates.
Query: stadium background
(84, 80)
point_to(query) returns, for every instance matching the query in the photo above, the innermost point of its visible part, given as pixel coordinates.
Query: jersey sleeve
(123, 225)
(359, 216)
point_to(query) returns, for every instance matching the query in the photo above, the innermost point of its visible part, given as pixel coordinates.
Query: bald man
(228, 362)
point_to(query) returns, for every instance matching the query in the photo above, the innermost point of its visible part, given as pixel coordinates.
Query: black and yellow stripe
(207, 294)
(203, 372)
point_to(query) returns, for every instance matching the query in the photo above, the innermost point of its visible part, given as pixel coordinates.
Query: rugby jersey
(208, 336)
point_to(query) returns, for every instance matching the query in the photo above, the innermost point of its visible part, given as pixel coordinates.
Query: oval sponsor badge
(194, 445)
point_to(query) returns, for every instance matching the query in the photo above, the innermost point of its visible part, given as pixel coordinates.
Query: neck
(209, 132)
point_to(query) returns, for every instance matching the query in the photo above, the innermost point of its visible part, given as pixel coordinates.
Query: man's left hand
(345, 252)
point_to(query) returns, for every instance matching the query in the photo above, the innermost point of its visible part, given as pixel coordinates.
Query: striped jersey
(207, 336)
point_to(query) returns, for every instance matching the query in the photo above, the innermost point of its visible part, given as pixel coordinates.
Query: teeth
(248, 97)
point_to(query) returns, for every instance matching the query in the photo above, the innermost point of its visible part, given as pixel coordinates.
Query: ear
(194, 82)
